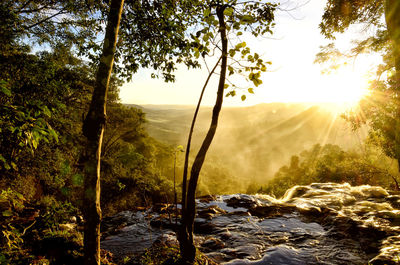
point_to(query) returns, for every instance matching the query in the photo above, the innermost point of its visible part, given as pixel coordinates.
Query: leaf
(54, 134)
(5, 90)
(226, 86)
(196, 53)
(14, 166)
(180, 148)
(231, 93)
(257, 82)
(231, 70)
(228, 11)
(246, 19)
(240, 45)
(251, 90)
(7, 213)
(34, 143)
(243, 97)
(46, 111)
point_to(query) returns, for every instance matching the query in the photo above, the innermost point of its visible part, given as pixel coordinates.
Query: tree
(47, 22)
(152, 35)
(219, 19)
(330, 163)
(381, 110)
(93, 129)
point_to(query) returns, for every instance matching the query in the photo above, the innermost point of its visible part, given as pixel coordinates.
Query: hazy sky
(292, 77)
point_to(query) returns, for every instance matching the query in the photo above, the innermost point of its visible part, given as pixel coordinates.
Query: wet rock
(394, 200)
(163, 223)
(218, 256)
(212, 244)
(202, 226)
(271, 210)
(209, 212)
(250, 251)
(111, 225)
(280, 255)
(207, 198)
(322, 223)
(169, 239)
(242, 201)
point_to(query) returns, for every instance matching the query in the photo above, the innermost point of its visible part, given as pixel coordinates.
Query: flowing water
(316, 224)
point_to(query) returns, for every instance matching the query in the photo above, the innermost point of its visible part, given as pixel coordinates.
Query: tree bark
(93, 129)
(396, 183)
(188, 250)
(392, 16)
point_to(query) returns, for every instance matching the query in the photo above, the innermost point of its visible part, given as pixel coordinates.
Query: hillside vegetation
(252, 143)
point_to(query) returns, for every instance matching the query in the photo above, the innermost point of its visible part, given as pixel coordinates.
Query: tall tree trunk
(93, 129)
(392, 16)
(188, 250)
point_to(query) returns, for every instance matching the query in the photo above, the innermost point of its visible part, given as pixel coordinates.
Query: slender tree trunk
(93, 129)
(183, 233)
(188, 249)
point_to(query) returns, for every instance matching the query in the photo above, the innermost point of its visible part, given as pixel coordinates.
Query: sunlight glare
(349, 86)
(346, 88)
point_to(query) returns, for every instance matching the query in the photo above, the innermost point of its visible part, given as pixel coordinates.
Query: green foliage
(47, 22)
(25, 127)
(339, 15)
(29, 231)
(55, 212)
(137, 169)
(329, 163)
(12, 203)
(153, 35)
(380, 113)
(253, 18)
(12, 200)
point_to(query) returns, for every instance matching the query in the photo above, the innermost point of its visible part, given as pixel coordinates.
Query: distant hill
(253, 142)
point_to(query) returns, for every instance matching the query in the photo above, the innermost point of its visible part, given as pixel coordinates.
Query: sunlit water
(316, 224)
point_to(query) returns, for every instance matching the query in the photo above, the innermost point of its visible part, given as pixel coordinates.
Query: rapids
(322, 223)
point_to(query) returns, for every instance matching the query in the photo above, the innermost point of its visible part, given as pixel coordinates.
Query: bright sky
(292, 77)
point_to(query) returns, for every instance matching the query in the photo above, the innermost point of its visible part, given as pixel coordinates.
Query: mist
(251, 143)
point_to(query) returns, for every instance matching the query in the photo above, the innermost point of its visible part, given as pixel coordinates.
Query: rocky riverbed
(316, 224)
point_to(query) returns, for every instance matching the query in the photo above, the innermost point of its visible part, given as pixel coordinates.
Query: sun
(347, 87)
(344, 87)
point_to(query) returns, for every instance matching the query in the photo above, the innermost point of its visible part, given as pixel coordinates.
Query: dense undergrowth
(41, 105)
